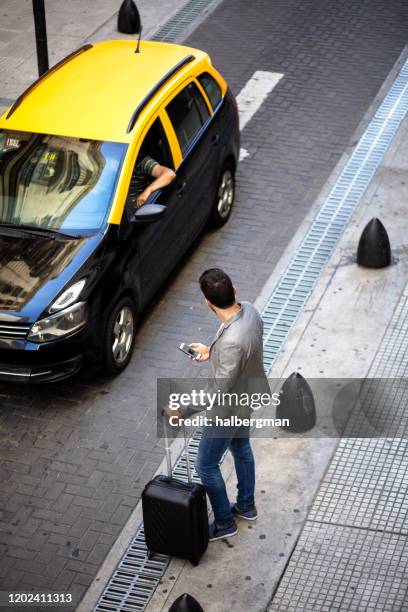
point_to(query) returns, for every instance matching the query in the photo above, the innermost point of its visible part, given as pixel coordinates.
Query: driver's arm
(163, 176)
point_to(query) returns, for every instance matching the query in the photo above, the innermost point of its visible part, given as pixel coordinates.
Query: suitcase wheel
(194, 562)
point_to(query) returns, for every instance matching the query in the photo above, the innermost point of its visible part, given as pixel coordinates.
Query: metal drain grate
(177, 24)
(296, 283)
(136, 577)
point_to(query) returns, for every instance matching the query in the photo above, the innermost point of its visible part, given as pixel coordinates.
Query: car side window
(155, 148)
(211, 88)
(201, 103)
(188, 112)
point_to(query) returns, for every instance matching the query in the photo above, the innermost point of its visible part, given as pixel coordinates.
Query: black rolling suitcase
(175, 515)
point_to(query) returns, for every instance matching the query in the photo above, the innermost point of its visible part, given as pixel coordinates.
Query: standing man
(235, 359)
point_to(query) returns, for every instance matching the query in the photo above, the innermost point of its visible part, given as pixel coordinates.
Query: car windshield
(57, 183)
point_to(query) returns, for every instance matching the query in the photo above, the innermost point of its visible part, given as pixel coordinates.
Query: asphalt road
(75, 456)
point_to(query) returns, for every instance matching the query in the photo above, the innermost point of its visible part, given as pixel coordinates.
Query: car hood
(34, 269)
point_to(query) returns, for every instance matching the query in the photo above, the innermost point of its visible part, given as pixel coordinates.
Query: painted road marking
(252, 96)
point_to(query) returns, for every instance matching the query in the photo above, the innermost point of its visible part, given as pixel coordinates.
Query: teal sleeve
(147, 165)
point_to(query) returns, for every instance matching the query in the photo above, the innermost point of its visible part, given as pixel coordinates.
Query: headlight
(68, 297)
(61, 324)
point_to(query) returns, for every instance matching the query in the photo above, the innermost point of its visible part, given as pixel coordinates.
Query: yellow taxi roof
(95, 94)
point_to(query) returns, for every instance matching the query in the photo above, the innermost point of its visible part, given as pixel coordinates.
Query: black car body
(78, 280)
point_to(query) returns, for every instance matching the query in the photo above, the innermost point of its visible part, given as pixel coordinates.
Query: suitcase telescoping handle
(168, 453)
(187, 455)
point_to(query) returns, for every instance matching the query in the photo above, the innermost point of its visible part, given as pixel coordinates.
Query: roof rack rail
(153, 92)
(29, 89)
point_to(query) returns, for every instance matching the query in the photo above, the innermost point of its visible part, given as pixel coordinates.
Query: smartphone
(189, 351)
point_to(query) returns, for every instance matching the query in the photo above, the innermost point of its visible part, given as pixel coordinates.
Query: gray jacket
(236, 359)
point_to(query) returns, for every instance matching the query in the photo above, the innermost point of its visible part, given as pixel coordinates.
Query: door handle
(180, 189)
(215, 140)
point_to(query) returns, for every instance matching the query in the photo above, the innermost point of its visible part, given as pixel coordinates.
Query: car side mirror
(148, 213)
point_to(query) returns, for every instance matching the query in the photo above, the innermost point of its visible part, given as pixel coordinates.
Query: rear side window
(188, 112)
(211, 88)
(201, 103)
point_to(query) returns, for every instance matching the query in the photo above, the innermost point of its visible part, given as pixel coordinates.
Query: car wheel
(119, 338)
(224, 196)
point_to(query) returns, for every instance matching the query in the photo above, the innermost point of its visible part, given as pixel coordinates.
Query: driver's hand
(141, 199)
(201, 348)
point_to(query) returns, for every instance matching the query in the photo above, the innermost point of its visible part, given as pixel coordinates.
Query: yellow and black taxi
(79, 256)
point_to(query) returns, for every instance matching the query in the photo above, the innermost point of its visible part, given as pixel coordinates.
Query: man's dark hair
(217, 287)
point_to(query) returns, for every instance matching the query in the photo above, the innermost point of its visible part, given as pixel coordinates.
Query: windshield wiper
(38, 231)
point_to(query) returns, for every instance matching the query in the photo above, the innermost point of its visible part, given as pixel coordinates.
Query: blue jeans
(210, 452)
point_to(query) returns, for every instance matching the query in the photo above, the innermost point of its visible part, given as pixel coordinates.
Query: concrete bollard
(128, 18)
(297, 404)
(374, 249)
(185, 603)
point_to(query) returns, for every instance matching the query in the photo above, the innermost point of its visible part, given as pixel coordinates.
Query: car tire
(119, 336)
(224, 196)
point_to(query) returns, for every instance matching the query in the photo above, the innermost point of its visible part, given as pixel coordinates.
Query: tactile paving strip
(392, 358)
(380, 410)
(366, 486)
(353, 551)
(341, 568)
